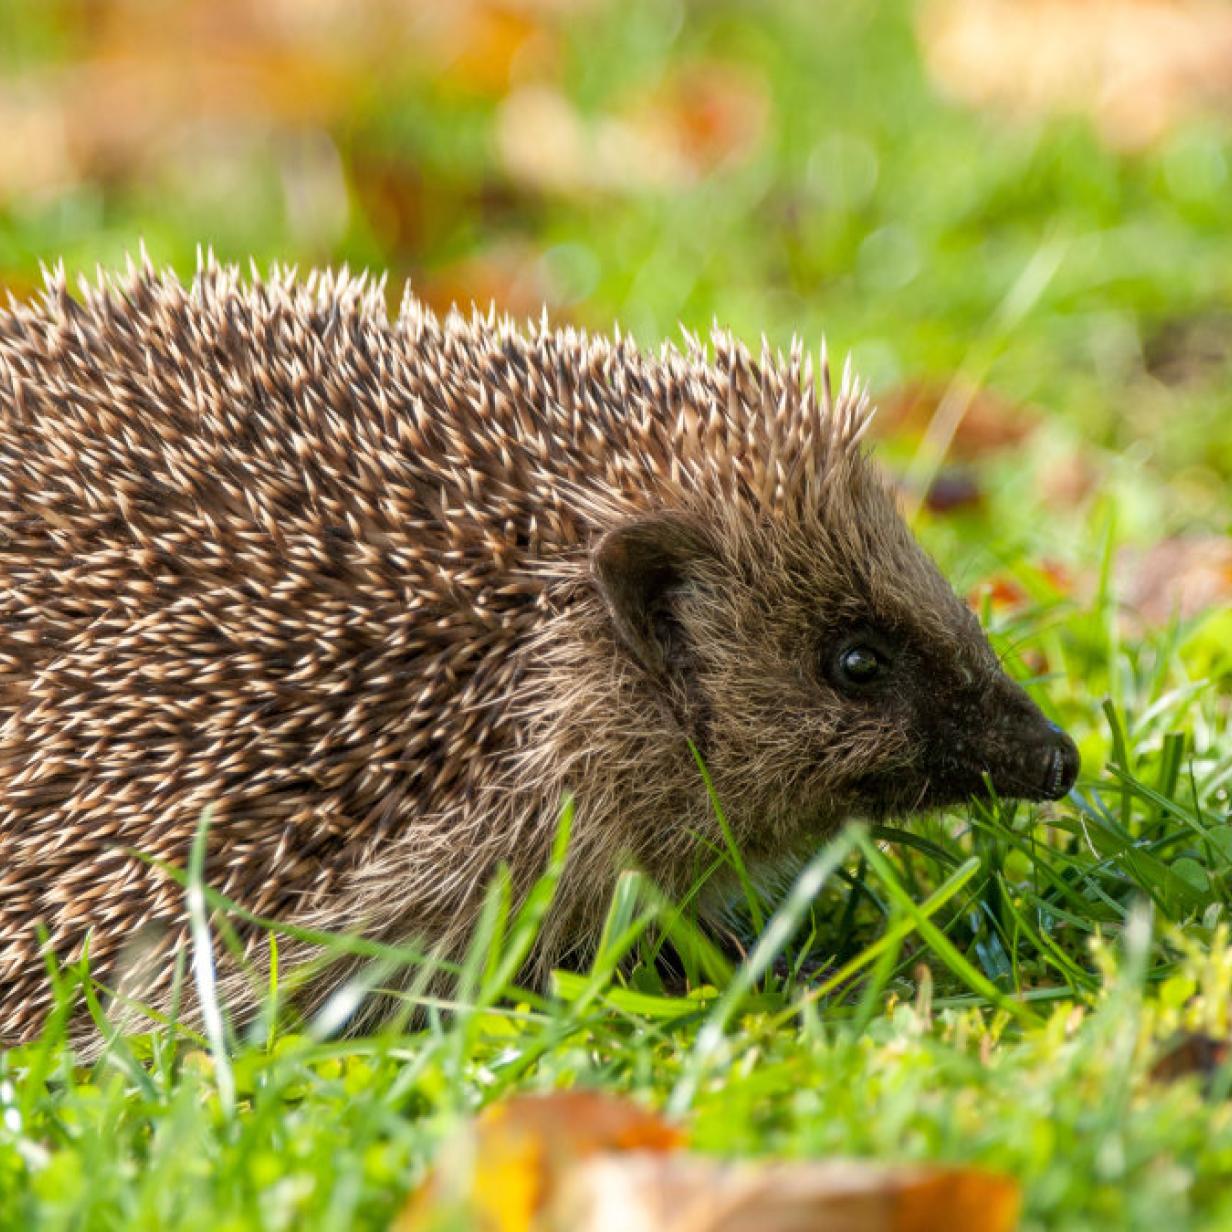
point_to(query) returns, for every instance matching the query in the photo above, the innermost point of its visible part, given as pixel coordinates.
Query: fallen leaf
(1189, 349)
(579, 1123)
(1069, 479)
(714, 114)
(487, 42)
(1194, 1052)
(509, 274)
(1001, 592)
(1181, 577)
(585, 1162)
(954, 490)
(144, 80)
(708, 117)
(1005, 591)
(1137, 67)
(506, 1168)
(689, 1193)
(36, 158)
(989, 423)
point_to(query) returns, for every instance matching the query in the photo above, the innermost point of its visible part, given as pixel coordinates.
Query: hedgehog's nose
(1057, 759)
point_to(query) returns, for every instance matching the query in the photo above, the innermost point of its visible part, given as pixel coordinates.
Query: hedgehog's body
(379, 593)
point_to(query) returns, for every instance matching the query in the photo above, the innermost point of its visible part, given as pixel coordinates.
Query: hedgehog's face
(825, 675)
(959, 724)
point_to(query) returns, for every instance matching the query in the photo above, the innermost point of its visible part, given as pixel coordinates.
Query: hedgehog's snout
(1042, 761)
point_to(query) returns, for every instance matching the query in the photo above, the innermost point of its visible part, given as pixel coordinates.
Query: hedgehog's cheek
(882, 796)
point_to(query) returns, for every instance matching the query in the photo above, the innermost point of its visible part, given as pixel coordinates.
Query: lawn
(1043, 310)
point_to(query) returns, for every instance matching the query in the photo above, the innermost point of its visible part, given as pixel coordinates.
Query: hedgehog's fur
(379, 594)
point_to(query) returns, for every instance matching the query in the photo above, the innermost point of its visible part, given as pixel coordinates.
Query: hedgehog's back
(266, 552)
(231, 576)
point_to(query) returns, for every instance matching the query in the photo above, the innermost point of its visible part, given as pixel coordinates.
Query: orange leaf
(1182, 577)
(988, 423)
(684, 1193)
(579, 1161)
(957, 1200)
(506, 1169)
(1193, 1052)
(1137, 67)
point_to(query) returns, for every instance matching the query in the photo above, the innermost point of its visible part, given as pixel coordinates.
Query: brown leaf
(585, 1162)
(714, 114)
(487, 41)
(1188, 349)
(1191, 1053)
(1069, 479)
(147, 79)
(579, 1123)
(988, 423)
(1006, 593)
(508, 274)
(506, 1169)
(36, 158)
(710, 116)
(954, 490)
(1137, 67)
(1182, 577)
(683, 1193)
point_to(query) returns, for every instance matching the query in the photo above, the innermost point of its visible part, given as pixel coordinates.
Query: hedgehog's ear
(642, 569)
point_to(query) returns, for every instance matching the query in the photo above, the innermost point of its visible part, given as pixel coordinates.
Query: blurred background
(1016, 216)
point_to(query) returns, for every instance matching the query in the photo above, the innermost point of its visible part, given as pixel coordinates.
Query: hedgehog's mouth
(1043, 767)
(1055, 776)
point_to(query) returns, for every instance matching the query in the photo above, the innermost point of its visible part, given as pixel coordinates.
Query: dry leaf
(1005, 593)
(1069, 479)
(1177, 577)
(713, 114)
(1189, 349)
(149, 79)
(710, 116)
(35, 156)
(1137, 67)
(988, 422)
(584, 1162)
(506, 1170)
(509, 274)
(688, 1193)
(954, 490)
(487, 44)
(1191, 1053)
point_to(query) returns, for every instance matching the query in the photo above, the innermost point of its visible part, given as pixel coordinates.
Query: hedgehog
(379, 592)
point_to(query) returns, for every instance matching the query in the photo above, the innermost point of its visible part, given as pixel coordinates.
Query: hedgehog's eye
(858, 665)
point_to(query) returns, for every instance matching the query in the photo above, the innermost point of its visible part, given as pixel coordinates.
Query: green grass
(985, 986)
(992, 987)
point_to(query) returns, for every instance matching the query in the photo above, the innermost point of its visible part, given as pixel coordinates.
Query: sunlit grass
(989, 985)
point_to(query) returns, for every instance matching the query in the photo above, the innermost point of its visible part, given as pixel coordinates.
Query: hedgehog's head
(821, 663)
